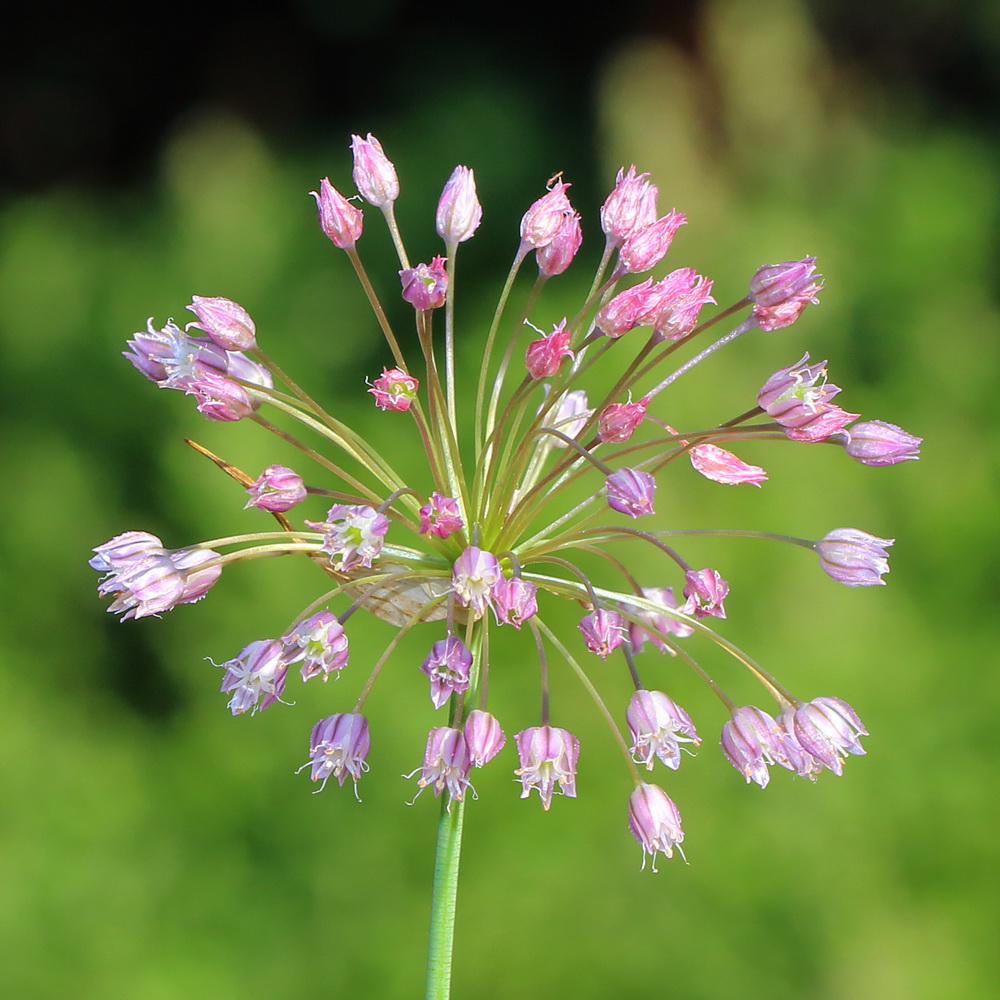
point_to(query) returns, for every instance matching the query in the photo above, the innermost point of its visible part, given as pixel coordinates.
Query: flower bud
(631, 206)
(219, 398)
(780, 292)
(854, 558)
(483, 736)
(276, 489)
(374, 175)
(648, 246)
(555, 257)
(875, 442)
(655, 822)
(705, 591)
(631, 491)
(440, 517)
(226, 322)
(459, 212)
(544, 218)
(338, 218)
(544, 355)
(618, 421)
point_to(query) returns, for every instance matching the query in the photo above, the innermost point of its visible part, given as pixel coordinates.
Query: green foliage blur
(152, 847)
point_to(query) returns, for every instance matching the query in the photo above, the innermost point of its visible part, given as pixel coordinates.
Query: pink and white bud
(853, 557)
(631, 492)
(474, 576)
(556, 256)
(829, 730)
(255, 676)
(338, 218)
(603, 631)
(394, 390)
(544, 218)
(145, 579)
(353, 535)
(426, 285)
(875, 442)
(723, 466)
(483, 736)
(338, 747)
(657, 625)
(633, 307)
(752, 740)
(618, 421)
(544, 355)
(226, 322)
(548, 762)
(680, 297)
(780, 292)
(374, 175)
(276, 489)
(219, 398)
(645, 248)
(631, 206)
(447, 665)
(658, 726)
(446, 763)
(459, 212)
(320, 643)
(515, 600)
(705, 591)
(569, 416)
(440, 517)
(655, 822)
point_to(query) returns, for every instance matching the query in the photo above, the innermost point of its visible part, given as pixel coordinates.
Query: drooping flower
(447, 665)
(854, 558)
(319, 642)
(338, 748)
(654, 821)
(705, 591)
(548, 762)
(446, 763)
(483, 736)
(752, 740)
(603, 631)
(353, 535)
(828, 728)
(658, 726)
(515, 600)
(255, 676)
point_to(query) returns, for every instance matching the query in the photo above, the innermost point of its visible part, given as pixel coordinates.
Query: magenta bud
(628, 309)
(705, 591)
(544, 218)
(474, 576)
(426, 285)
(544, 355)
(658, 726)
(226, 322)
(618, 421)
(630, 207)
(374, 175)
(780, 292)
(655, 822)
(483, 736)
(338, 218)
(631, 492)
(603, 631)
(394, 390)
(680, 297)
(645, 248)
(459, 212)
(875, 442)
(276, 489)
(446, 763)
(319, 642)
(255, 676)
(854, 558)
(514, 600)
(338, 747)
(441, 516)
(548, 762)
(447, 665)
(555, 257)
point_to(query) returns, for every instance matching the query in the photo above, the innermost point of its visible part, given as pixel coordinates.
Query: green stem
(446, 860)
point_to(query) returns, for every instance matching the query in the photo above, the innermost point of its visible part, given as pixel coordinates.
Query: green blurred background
(151, 846)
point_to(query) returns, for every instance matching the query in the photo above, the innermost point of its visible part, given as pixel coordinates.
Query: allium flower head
(495, 487)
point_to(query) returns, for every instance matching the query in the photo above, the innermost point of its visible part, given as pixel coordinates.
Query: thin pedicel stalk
(547, 486)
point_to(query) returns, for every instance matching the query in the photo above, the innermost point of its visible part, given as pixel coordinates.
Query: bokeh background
(151, 846)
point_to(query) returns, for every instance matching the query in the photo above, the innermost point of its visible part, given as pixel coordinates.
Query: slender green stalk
(443, 899)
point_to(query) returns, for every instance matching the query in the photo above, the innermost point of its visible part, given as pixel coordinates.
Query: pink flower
(226, 322)
(548, 762)
(459, 212)
(780, 292)
(828, 728)
(544, 218)
(426, 285)
(353, 535)
(631, 206)
(483, 736)
(256, 676)
(658, 726)
(646, 247)
(655, 822)
(618, 421)
(656, 625)
(474, 576)
(320, 642)
(799, 398)
(219, 398)
(514, 600)
(557, 255)
(338, 747)
(627, 310)
(680, 297)
(631, 492)
(544, 355)
(394, 390)
(854, 558)
(876, 442)
(569, 416)
(603, 631)
(446, 763)
(338, 218)
(705, 591)
(752, 740)
(440, 517)
(374, 175)
(723, 466)
(447, 665)
(276, 489)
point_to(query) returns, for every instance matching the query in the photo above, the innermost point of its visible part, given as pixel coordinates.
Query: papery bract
(723, 466)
